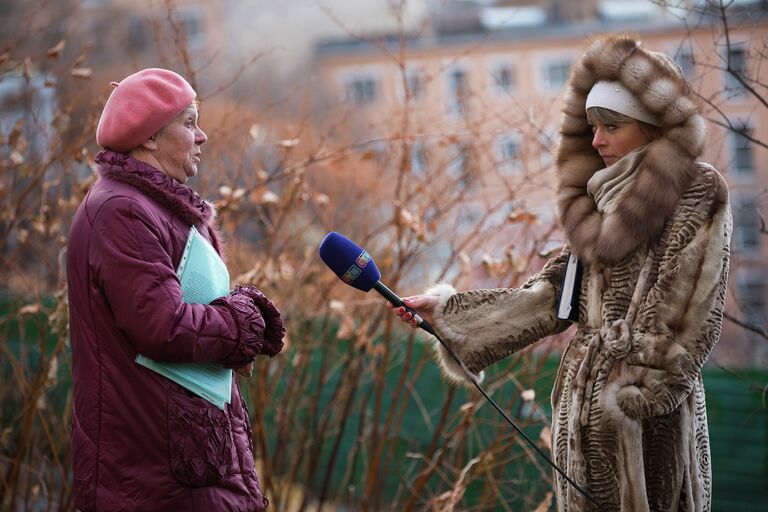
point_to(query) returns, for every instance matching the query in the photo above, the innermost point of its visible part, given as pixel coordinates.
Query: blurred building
(488, 77)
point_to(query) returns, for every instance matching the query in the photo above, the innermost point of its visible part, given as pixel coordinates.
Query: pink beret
(140, 106)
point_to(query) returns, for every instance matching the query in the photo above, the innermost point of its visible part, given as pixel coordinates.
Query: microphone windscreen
(349, 261)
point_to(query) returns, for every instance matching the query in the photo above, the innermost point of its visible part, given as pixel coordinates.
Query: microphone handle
(398, 303)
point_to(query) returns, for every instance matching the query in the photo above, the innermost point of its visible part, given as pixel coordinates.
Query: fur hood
(666, 170)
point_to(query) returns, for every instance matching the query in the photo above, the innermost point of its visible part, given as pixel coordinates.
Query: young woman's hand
(424, 305)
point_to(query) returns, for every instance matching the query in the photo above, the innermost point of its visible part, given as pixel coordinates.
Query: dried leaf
(81, 72)
(412, 222)
(288, 143)
(5, 437)
(29, 309)
(545, 503)
(346, 323)
(368, 154)
(256, 133)
(17, 158)
(522, 216)
(269, 197)
(545, 437)
(25, 69)
(53, 370)
(448, 501)
(55, 51)
(15, 136)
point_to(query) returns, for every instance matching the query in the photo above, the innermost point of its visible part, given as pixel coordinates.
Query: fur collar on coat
(179, 198)
(663, 175)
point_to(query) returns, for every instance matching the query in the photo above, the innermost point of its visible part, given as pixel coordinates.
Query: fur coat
(629, 421)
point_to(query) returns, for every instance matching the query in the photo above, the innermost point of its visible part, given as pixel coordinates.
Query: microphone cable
(428, 328)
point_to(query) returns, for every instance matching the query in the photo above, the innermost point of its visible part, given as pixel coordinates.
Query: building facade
(495, 95)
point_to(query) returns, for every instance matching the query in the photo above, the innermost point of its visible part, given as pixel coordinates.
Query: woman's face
(178, 145)
(614, 141)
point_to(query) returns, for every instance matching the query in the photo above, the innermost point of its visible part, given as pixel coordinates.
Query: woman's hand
(424, 305)
(245, 371)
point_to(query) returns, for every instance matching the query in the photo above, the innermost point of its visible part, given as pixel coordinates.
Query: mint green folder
(204, 278)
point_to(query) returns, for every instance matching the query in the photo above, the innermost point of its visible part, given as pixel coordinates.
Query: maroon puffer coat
(139, 441)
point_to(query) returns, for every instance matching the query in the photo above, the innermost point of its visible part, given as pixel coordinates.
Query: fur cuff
(444, 292)
(450, 368)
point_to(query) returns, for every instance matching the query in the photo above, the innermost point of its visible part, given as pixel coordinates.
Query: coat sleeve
(133, 269)
(679, 322)
(484, 326)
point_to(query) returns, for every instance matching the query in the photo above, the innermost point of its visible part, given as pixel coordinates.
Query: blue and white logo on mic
(351, 274)
(363, 259)
(355, 270)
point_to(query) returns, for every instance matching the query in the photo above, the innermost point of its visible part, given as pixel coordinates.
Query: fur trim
(666, 171)
(450, 367)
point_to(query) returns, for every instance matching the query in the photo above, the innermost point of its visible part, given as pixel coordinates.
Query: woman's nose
(200, 138)
(598, 139)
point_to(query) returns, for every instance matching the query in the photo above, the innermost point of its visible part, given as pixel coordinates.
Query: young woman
(651, 229)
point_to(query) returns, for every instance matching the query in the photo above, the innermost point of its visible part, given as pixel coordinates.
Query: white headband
(616, 97)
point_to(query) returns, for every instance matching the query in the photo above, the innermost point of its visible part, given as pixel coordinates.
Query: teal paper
(204, 277)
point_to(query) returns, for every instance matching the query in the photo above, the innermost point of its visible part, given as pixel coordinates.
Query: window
(737, 68)
(555, 73)
(414, 79)
(503, 77)
(191, 20)
(458, 91)
(418, 158)
(547, 139)
(741, 150)
(751, 288)
(361, 90)
(139, 35)
(458, 163)
(509, 152)
(684, 59)
(377, 150)
(746, 224)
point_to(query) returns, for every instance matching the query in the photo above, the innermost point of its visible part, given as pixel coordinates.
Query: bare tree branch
(761, 331)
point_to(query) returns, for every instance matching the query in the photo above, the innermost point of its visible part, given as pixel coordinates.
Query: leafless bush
(353, 411)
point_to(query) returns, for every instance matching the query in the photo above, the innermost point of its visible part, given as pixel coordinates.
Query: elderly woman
(139, 440)
(650, 228)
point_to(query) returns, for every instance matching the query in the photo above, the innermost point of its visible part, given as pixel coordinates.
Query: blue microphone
(353, 265)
